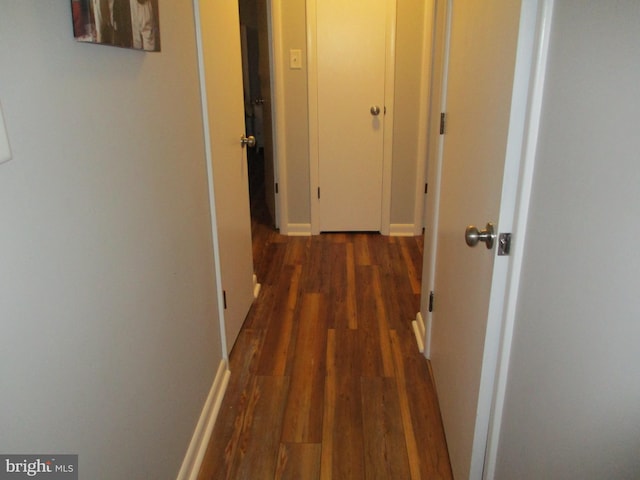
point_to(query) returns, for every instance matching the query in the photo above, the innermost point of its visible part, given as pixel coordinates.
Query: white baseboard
(402, 230)
(202, 434)
(298, 230)
(419, 331)
(256, 287)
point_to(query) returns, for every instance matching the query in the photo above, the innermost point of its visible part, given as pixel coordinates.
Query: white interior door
(483, 40)
(351, 50)
(221, 55)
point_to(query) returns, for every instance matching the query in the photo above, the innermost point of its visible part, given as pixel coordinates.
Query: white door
(483, 40)
(225, 108)
(351, 55)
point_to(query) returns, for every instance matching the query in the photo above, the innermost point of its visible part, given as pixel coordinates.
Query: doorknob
(249, 141)
(375, 110)
(472, 236)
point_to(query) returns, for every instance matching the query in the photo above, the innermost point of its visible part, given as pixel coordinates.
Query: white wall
(107, 295)
(573, 397)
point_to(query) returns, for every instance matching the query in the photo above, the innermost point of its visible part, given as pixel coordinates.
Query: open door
(224, 117)
(256, 66)
(487, 73)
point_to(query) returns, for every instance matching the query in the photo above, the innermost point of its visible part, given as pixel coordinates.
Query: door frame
(276, 65)
(426, 122)
(312, 81)
(437, 104)
(538, 32)
(528, 89)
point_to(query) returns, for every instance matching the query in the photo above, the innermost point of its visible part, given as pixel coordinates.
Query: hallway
(327, 381)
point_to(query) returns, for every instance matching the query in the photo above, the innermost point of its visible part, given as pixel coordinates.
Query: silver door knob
(249, 141)
(472, 236)
(375, 110)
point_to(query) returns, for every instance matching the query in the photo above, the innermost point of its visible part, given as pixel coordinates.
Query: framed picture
(120, 23)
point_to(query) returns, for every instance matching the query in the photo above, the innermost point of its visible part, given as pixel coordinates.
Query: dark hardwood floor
(327, 380)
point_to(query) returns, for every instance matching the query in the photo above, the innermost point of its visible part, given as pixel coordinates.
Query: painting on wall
(120, 23)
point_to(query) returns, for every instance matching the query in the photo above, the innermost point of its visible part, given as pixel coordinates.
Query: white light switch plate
(295, 59)
(5, 151)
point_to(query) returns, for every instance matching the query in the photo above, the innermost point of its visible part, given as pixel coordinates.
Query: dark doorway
(258, 120)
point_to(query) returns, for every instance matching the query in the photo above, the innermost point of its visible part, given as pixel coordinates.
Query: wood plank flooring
(326, 378)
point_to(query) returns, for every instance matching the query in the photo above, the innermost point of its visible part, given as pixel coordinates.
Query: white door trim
(513, 179)
(539, 29)
(424, 126)
(274, 21)
(312, 98)
(312, 82)
(389, 98)
(509, 199)
(435, 172)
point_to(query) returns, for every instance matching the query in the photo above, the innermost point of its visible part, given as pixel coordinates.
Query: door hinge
(224, 299)
(431, 301)
(504, 244)
(276, 187)
(443, 119)
(426, 188)
(318, 193)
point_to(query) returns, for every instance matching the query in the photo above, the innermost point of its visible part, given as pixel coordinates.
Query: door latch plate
(504, 244)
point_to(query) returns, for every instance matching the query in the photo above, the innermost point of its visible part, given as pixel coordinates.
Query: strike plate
(504, 244)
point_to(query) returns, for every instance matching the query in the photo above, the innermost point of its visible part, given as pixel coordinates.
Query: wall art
(120, 23)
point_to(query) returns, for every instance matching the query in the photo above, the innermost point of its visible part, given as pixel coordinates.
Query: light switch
(295, 59)
(5, 151)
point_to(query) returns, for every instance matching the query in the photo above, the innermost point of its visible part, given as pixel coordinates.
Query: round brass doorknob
(472, 235)
(249, 141)
(375, 110)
